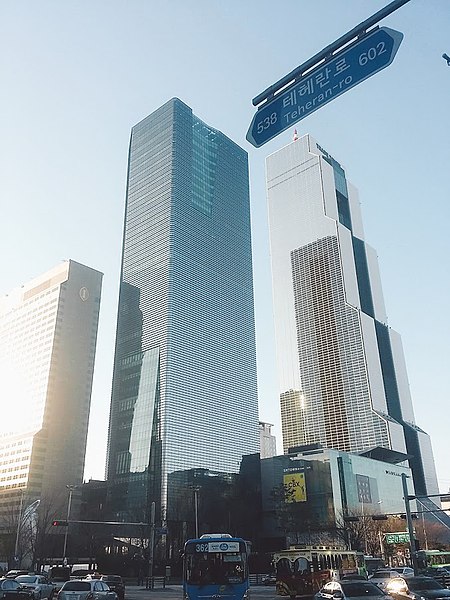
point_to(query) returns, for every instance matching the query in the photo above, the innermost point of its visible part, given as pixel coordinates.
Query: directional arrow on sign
(337, 75)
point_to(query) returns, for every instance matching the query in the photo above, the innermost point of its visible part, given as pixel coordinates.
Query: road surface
(175, 592)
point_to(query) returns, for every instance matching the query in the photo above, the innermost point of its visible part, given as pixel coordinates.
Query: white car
(382, 577)
(404, 571)
(349, 589)
(38, 584)
(86, 589)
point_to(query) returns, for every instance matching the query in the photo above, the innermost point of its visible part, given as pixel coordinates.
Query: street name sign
(397, 538)
(346, 69)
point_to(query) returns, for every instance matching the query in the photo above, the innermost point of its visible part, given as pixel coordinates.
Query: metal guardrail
(152, 582)
(256, 578)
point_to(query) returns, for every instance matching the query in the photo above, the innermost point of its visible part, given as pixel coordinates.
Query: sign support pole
(412, 542)
(329, 50)
(151, 544)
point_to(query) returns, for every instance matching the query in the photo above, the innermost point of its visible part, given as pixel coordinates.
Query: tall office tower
(184, 390)
(48, 333)
(341, 368)
(292, 426)
(267, 441)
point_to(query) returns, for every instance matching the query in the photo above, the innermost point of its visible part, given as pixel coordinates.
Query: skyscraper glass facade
(334, 347)
(184, 385)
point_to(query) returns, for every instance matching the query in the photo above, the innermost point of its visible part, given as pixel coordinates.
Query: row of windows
(337, 360)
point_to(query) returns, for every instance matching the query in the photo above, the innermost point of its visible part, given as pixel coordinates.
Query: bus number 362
(267, 122)
(201, 547)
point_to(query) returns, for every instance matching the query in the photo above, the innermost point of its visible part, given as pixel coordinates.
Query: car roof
(358, 581)
(88, 582)
(416, 579)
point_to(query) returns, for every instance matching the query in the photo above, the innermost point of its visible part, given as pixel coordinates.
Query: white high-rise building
(48, 333)
(341, 368)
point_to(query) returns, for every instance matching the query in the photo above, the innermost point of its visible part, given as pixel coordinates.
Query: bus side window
(301, 565)
(284, 566)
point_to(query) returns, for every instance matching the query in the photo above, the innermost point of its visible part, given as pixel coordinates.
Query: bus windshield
(215, 568)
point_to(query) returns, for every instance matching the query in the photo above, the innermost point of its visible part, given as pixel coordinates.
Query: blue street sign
(349, 67)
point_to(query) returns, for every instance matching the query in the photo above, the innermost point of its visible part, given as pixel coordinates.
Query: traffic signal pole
(412, 541)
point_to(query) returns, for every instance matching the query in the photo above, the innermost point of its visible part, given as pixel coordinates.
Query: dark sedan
(351, 590)
(417, 588)
(10, 589)
(116, 584)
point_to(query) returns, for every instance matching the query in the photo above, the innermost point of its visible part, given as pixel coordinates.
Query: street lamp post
(196, 491)
(364, 528)
(19, 522)
(71, 489)
(151, 543)
(380, 538)
(424, 532)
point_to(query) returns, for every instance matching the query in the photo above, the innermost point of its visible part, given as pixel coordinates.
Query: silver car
(38, 584)
(86, 589)
(351, 589)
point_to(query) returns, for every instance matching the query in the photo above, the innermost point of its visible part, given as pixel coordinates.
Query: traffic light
(58, 523)
(379, 517)
(413, 516)
(351, 519)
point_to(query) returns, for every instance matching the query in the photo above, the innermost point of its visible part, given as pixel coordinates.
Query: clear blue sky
(76, 75)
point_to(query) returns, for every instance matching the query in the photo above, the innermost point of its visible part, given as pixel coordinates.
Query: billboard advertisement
(295, 486)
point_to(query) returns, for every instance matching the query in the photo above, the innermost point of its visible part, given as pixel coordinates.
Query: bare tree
(10, 527)
(37, 539)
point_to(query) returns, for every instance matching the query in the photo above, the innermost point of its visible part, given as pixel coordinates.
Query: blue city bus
(215, 566)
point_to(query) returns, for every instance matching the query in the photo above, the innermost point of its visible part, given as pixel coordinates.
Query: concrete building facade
(48, 334)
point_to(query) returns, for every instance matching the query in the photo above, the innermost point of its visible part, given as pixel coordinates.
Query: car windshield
(77, 586)
(9, 584)
(112, 578)
(423, 584)
(351, 590)
(26, 579)
(381, 574)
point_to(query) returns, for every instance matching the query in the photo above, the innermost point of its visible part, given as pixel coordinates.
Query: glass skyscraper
(343, 380)
(184, 385)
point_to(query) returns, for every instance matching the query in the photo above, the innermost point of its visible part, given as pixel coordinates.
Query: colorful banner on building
(295, 486)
